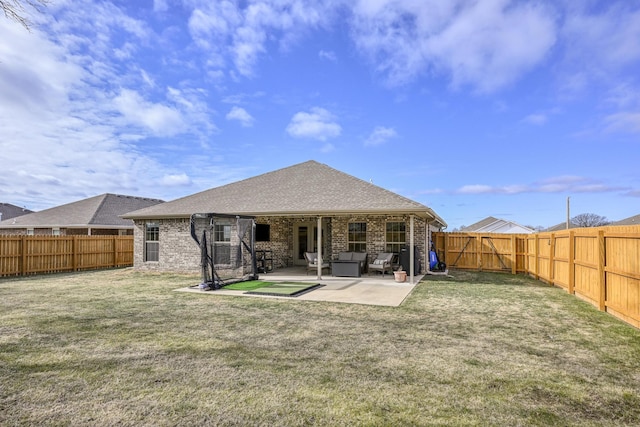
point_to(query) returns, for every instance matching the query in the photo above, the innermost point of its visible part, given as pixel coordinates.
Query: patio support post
(320, 248)
(411, 249)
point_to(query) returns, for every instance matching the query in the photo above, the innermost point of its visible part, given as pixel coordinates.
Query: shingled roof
(308, 188)
(632, 220)
(102, 211)
(496, 225)
(8, 211)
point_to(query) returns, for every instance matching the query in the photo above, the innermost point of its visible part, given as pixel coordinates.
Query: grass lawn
(121, 348)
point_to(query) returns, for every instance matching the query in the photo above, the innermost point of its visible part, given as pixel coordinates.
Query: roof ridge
(95, 212)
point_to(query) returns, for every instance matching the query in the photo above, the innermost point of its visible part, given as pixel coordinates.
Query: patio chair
(382, 263)
(312, 262)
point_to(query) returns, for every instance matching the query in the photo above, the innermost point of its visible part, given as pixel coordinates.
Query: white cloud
(623, 122)
(65, 94)
(176, 180)
(317, 124)
(240, 114)
(536, 119)
(475, 189)
(380, 135)
(559, 184)
(486, 45)
(160, 119)
(327, 148)
(328, 55)
(225, 29)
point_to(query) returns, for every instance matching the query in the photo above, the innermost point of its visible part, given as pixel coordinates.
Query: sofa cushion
(345, 256)
(359, 256)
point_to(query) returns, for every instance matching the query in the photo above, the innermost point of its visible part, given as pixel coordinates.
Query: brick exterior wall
(179, 253)
(177, 250)
(376, 234)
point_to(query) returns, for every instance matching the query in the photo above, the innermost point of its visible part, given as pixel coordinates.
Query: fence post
(446, 248)
(552, 255)
(536, 263)
(514, 255)
(572, 256)
(479, 252)
(75, 253)
(23, 267)
(602, 278)
(115, 251)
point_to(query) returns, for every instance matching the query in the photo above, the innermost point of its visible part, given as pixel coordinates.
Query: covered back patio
(371, 289)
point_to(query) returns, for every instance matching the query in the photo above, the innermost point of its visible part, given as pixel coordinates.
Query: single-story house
(632, 220)
(295, 208)
(561, 226)
(497, 225)
(99, 215)
(8, 211)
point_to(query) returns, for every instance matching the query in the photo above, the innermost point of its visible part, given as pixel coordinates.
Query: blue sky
(474, 108)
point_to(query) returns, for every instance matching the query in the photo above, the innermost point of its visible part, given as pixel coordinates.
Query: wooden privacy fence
(600, 265)
(25, 255)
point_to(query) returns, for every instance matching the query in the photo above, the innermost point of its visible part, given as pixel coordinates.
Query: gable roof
(497, 225)
(308, 188)
(561, 226)
(8, 211)
(632, 220)
(102, 211)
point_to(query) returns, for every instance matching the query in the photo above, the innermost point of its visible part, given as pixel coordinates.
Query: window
(357, 237)
(222, 240)
(396, 236)
(55, 231)
(152, 241)
(30, 232)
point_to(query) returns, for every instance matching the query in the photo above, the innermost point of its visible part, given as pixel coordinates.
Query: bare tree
(16, 10)
(589, 220)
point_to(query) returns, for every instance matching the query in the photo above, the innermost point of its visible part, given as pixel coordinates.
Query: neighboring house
(561, 226)
(99, 215)
(8, 211)
(632, 220)
(289, 204)
(496, 225)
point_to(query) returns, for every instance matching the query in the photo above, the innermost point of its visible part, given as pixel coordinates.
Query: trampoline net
(227, 251)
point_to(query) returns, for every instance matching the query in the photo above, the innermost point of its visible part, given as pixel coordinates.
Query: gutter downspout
(319, 248)
(411, 250)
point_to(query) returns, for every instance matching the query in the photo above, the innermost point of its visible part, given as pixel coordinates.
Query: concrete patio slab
(368, 290)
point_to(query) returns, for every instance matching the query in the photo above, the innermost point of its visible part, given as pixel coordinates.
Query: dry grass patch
(120, 347)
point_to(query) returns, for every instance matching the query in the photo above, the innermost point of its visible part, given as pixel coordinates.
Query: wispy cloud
(228, 31)
(176, 180)
(161, 120)
(560, 184)
(241, 115)
(380, 135)
(536, 119)
(486, 45)
(328, 55)
(623, 122)
(318, 124)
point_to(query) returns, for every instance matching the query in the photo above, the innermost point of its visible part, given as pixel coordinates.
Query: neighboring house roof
(497, 225)
(561, 226)
(102, 211)
(632, 220)
(8, 211)
(308, 188)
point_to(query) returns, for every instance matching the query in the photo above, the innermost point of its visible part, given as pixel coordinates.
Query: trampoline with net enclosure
(227, 248)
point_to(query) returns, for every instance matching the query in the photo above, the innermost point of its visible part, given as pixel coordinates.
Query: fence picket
(600, 265)
(26, 255)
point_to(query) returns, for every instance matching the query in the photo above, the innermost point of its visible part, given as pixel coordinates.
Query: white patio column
(319, 248)
(411, 250)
